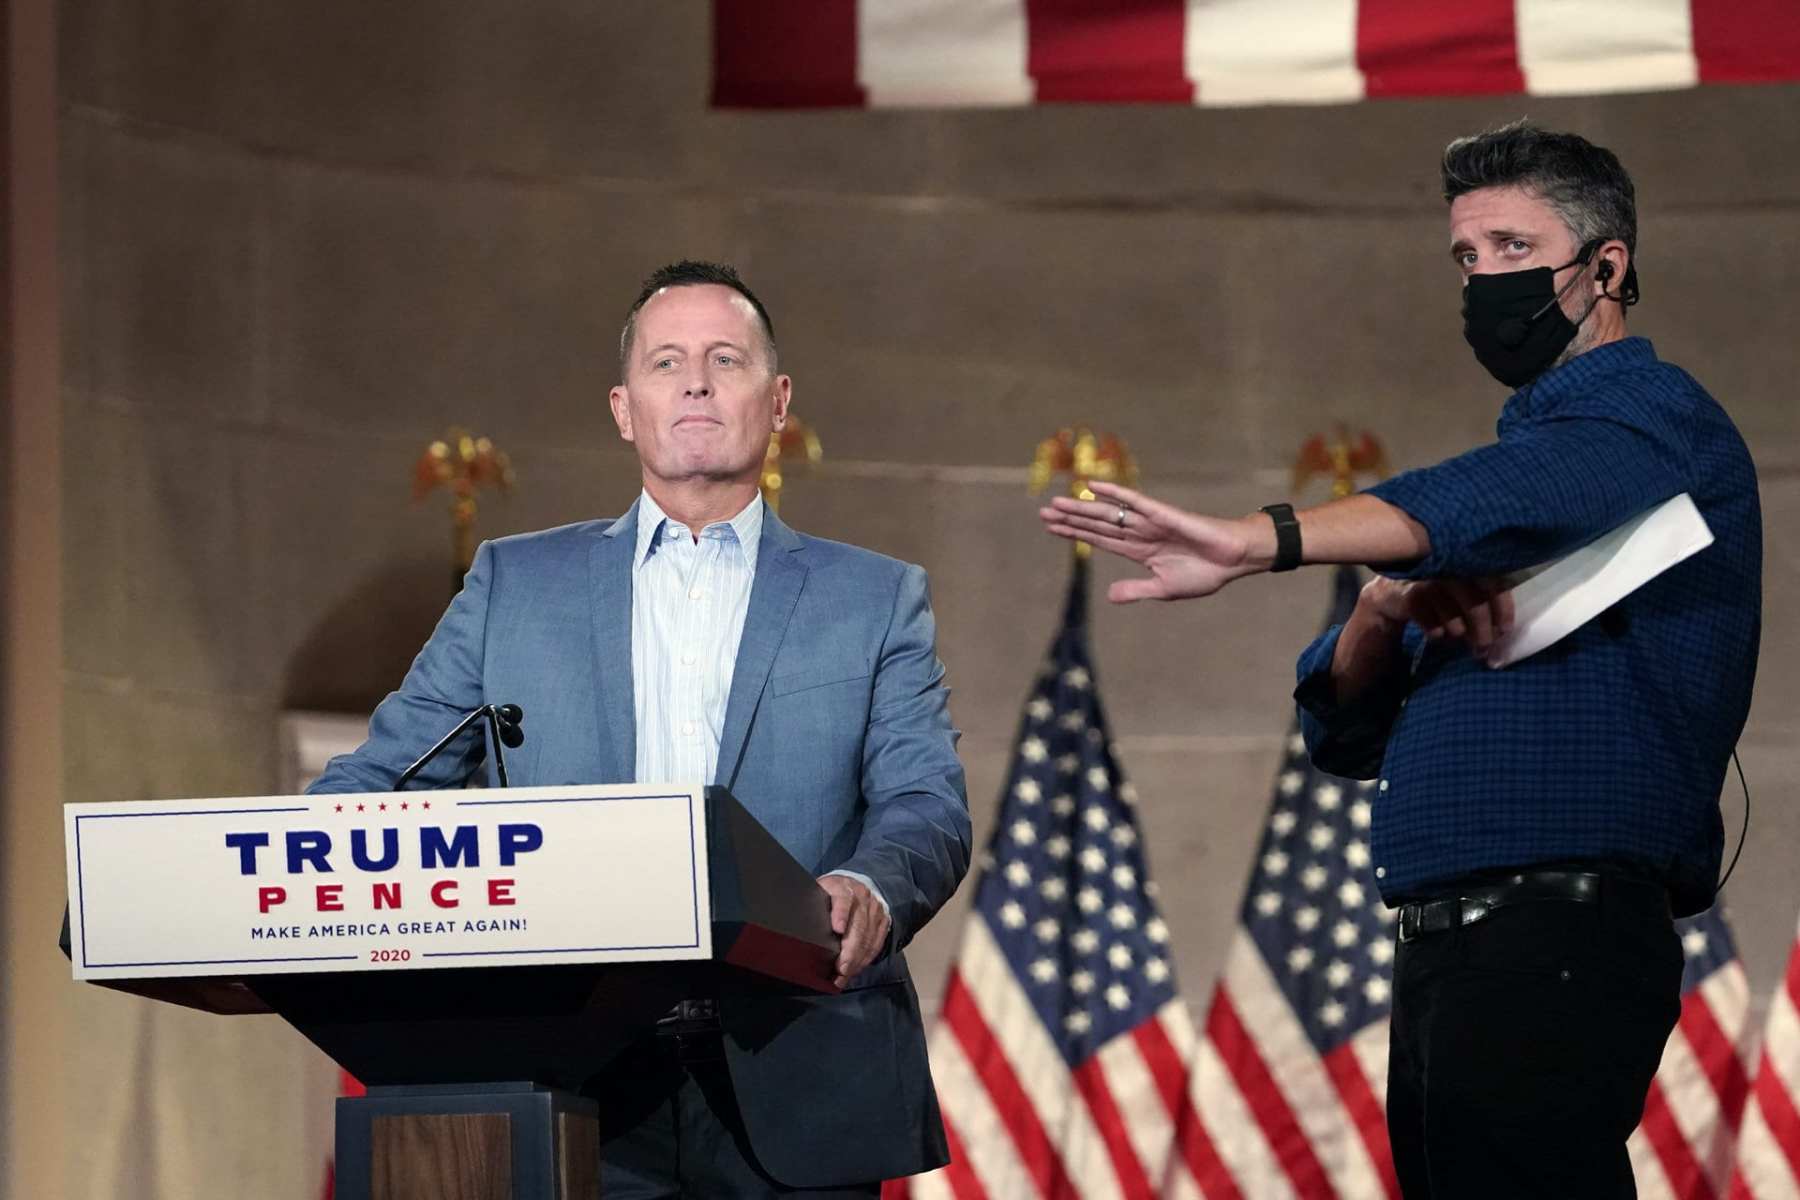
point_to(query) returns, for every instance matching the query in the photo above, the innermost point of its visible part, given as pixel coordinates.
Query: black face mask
(1514, 321)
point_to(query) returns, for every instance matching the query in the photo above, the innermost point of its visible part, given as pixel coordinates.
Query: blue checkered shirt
(1610, 746)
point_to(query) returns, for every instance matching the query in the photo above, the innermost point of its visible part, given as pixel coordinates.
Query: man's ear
(784, 393)
(1612, 262)
(620, 399)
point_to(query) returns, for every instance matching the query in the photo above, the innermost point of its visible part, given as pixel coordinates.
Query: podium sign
(388, 881)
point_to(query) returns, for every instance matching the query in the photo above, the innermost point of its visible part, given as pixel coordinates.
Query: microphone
(507, 718)
(503, 721)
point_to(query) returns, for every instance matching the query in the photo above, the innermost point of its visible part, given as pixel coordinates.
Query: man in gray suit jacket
(698, 639)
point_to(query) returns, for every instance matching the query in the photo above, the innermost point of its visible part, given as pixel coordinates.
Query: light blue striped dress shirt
(689, 599)
(688, 602)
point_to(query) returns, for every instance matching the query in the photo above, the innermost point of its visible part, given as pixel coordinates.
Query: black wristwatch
(1287, 536)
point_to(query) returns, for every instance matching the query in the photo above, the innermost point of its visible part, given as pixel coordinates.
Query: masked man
(1537, 826)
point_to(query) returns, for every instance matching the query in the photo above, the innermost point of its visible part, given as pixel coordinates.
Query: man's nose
(698, 387)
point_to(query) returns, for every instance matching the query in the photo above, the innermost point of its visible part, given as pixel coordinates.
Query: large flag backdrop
(934, 53)
(1068, 1066)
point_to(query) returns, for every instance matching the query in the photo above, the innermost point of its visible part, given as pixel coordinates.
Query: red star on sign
(382, 806)
(403, 806)
(359, 808)
(340, 808)
(424, 804)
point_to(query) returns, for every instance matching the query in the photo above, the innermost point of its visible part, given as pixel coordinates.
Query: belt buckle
(691, 1030)
(688, 1014)
(1410, 915)
(1417, 918)
(697, 1010)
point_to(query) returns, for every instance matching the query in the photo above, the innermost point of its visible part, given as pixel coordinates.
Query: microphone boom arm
(502, 728)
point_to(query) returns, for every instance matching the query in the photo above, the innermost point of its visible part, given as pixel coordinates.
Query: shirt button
(1383, 785)
(1381, 872)
(695, 593)
(687, 728)
(687, 660)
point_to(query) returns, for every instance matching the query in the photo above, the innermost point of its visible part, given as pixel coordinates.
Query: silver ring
(1119, 518)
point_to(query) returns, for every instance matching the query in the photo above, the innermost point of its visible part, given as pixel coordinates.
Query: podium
(474, 1046)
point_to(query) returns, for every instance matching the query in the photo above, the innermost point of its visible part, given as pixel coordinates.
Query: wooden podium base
(476, 1141)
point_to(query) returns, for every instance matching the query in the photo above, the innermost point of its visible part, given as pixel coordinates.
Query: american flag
(1768, 1162)
(1293, 1067)
(935, 53)
(1684, 1147)
(1061, 1051)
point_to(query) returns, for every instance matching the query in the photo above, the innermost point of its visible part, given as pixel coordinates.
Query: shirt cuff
(1344, 739)
(870, 884)
(1314, 692)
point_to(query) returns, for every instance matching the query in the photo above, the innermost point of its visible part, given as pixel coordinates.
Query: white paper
(1561, 596)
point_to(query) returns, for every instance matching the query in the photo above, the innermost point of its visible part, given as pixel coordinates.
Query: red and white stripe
(1022, 1123)
(1768, 1152)
(1247, 1110)
(941, 53)
(971, 53)
(1319, 1122)
(1683, 1148)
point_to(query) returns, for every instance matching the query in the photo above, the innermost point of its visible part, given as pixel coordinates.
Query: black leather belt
(1475, 902)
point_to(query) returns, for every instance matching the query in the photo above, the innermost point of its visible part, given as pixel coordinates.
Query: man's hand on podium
(860, 920)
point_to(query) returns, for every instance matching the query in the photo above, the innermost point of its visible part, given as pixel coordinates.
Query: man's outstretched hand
(860, 920)
(1184, 553)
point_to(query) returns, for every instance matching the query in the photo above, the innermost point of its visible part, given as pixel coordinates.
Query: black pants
(1523, 1046)
(671, 1129)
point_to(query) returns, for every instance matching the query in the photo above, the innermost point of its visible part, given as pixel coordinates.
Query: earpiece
(1604, 272)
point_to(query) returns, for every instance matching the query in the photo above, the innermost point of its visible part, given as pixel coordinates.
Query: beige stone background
(298, 240)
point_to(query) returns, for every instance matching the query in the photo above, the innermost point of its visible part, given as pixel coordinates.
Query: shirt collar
(1541, 396)
(745, 529)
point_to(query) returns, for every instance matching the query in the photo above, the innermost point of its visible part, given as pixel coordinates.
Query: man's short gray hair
(1584, 183)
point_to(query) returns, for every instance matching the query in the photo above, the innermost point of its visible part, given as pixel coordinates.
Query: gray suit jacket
(837, 737)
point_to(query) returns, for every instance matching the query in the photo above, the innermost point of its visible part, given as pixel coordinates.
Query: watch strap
(1287, 536)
